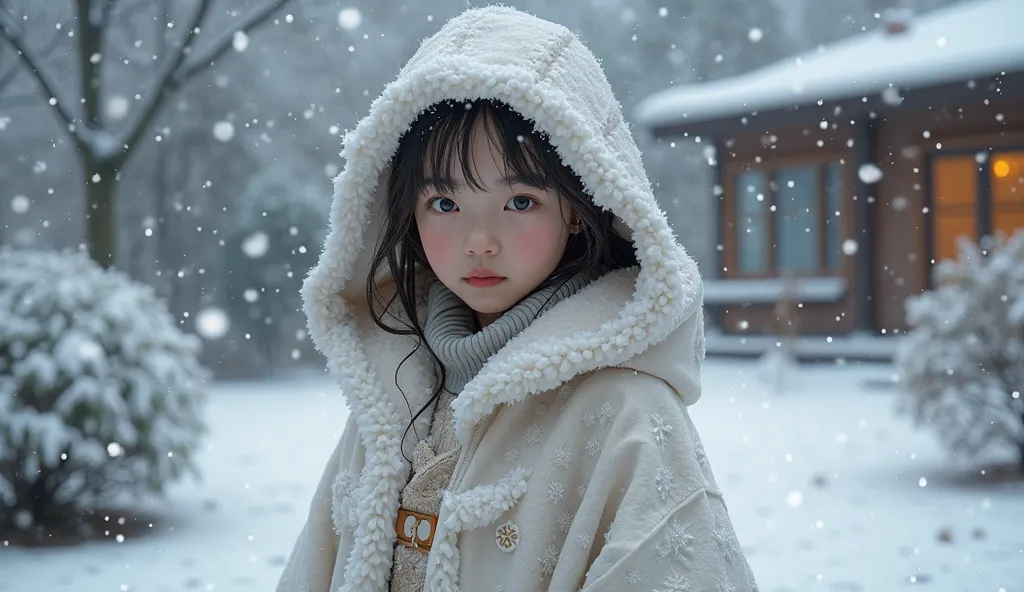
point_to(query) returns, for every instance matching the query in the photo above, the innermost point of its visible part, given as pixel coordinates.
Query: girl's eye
(521, 203)
(447, 205)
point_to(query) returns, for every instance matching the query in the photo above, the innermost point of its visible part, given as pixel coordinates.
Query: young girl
(517, 334)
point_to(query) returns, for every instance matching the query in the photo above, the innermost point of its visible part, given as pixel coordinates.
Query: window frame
(984, 211)
(730, 207)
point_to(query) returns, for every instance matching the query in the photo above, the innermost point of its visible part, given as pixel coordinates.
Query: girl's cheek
(537, 240)
(436, 243)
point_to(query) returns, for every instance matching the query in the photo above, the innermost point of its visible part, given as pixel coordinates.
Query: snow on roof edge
(956, 43)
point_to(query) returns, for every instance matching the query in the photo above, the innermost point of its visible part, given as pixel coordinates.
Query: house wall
(905, 142)
(905, 139)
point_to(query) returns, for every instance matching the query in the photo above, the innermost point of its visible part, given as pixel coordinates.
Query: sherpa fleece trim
(471, 509)
(560, 86)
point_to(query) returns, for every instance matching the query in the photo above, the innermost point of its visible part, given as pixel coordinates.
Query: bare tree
(103, 147)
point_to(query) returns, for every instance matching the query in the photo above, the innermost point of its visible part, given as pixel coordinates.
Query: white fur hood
(560, 86)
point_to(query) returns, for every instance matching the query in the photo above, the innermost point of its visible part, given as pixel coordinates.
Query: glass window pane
(1008, 221)
(1006, 172)
(750, 222)
(834, 217)
(947, 229)
(954, 195)
(954, 181)
(797, 219)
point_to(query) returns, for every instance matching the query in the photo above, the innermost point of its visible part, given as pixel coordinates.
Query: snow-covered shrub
(100, 391)
(962, 365)
(272, 238)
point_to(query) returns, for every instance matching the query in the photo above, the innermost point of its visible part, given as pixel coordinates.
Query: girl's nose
(482, 242)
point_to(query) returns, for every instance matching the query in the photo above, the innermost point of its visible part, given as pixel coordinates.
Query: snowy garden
(164, 418)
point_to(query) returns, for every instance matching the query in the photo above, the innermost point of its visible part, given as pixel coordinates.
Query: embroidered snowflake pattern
(605, 414)
(542, 408)
(633, 577)
(725, 540)
(565, 520)
(511, 455)
(661, 430)
(548, 560)
(581, 489)
(534, 434)
(663, 479)
(593, 446)
(583, 541)
(675, 582)
(563, 457)
(677, 543)
(589, 419)
(702, 456)
(556, 491)
(564, 392)
(726, 587)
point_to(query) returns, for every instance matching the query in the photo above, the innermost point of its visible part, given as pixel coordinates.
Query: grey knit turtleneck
(451, 327)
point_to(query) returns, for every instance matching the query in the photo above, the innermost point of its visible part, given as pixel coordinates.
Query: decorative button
(507, 536)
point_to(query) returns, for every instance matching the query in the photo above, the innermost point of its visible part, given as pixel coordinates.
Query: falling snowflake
(511, 455)
(633, 577)
(565, 520)
(212, 323)
(224, 131)
(350, 18)
(256, 245)
(676, 582)
(542, 408)
(556, 491)
(725, 540)
(661, 430)
(593, 446)
(583, 541)
(605, 414)
(663, 479)
(534, 434)
(548, 560)
(589, 419)
(563, 457)
(677, 542)
(581, 489)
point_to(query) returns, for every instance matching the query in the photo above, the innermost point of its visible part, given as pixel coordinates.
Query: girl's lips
(484, 282)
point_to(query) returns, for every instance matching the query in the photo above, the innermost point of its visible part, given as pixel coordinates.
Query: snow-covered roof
(974, 38)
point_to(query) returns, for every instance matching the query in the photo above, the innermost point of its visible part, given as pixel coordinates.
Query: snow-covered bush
(100, 391)
(962, 365)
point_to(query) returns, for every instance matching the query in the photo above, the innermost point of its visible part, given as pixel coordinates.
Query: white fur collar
(561, 87)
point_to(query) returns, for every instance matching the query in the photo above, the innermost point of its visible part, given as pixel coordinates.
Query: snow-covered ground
(827, 488)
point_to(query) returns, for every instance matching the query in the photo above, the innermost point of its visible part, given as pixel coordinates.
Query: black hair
(440, 140)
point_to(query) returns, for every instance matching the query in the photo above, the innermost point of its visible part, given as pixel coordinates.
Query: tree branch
(177, 71)
(12, 32)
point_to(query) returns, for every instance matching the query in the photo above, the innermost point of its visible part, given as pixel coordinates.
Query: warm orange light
(1001, 168)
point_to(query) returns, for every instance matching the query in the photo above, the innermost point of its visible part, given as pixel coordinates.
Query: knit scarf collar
(451, 326)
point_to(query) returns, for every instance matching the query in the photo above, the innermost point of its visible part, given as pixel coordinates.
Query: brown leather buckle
(415, 530)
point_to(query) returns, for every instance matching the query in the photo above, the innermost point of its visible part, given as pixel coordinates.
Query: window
(975, 196)
(787, 219)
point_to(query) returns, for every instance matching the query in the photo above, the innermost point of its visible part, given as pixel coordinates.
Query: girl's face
(509, 230)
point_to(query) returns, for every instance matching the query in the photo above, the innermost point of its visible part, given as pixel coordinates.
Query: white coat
(579, 467)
